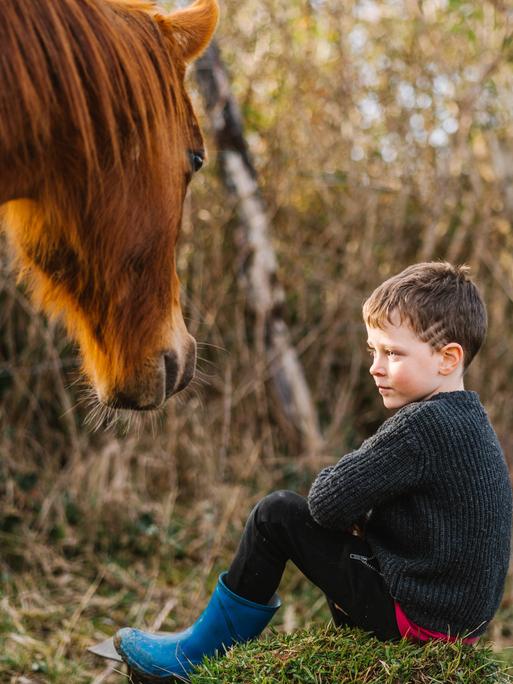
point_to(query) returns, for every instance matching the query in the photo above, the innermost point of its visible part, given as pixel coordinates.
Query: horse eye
(197, 157)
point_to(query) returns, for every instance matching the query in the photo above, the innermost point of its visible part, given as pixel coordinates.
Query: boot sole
(135, 677)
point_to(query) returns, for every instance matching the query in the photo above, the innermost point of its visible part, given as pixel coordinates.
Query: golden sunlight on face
(404, 368)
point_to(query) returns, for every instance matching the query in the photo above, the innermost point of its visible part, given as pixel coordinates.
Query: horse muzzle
(158, 380)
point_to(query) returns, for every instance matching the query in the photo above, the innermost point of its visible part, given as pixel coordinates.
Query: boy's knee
(279, 505)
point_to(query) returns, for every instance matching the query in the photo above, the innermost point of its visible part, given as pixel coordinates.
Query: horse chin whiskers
(125, 421)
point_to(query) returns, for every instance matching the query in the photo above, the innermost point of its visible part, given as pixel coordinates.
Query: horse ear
(192, 27)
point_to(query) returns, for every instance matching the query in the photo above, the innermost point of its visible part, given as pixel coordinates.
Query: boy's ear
(451, 357)
(191, 27)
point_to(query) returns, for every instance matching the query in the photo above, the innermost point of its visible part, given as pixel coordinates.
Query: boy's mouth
(383, 389)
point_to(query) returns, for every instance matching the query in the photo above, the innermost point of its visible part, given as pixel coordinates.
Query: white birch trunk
(265, 296)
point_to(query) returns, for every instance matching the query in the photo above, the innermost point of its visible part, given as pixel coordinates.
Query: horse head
(98, 142)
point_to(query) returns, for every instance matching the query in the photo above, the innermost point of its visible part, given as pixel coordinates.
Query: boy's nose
(376, 369)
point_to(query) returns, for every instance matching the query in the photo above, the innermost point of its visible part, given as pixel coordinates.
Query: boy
(432, 483)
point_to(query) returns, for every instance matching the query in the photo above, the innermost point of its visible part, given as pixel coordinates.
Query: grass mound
(343, 656)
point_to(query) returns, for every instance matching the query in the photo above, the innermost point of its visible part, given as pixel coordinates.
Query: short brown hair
(438, 300)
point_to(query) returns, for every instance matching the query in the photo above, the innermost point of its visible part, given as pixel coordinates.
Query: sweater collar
(458, 395)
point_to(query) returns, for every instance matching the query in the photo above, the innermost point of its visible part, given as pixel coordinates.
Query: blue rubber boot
(228, 619)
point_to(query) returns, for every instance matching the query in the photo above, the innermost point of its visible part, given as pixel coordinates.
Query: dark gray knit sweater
(436, 480)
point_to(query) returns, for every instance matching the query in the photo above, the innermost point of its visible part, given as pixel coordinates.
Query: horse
(98, 142)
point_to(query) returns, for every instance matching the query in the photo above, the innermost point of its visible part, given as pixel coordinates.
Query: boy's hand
(357, 529)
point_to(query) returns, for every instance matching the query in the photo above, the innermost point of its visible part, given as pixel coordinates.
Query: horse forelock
(96, 75)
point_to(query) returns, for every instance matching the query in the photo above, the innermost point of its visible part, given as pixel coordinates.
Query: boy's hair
(439, 302)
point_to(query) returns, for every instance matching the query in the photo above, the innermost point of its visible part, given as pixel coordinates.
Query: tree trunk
(265, 296)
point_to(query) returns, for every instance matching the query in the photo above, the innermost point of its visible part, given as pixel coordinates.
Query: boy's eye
(370, 351)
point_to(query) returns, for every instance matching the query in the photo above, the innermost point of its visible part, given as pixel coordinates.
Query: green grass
(342, 656)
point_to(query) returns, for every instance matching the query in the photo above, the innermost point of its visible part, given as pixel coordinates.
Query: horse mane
(104, 66)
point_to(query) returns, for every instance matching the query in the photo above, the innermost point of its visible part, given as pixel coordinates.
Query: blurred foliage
(382, 134)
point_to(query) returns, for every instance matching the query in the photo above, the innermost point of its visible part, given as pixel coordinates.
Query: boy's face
(404, 368)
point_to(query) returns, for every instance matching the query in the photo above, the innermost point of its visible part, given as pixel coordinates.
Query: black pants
(342, 565)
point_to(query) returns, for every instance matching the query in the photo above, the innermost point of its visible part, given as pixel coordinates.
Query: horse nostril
(171, 366)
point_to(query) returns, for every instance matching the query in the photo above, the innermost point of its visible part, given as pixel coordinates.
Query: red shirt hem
(414, 632)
